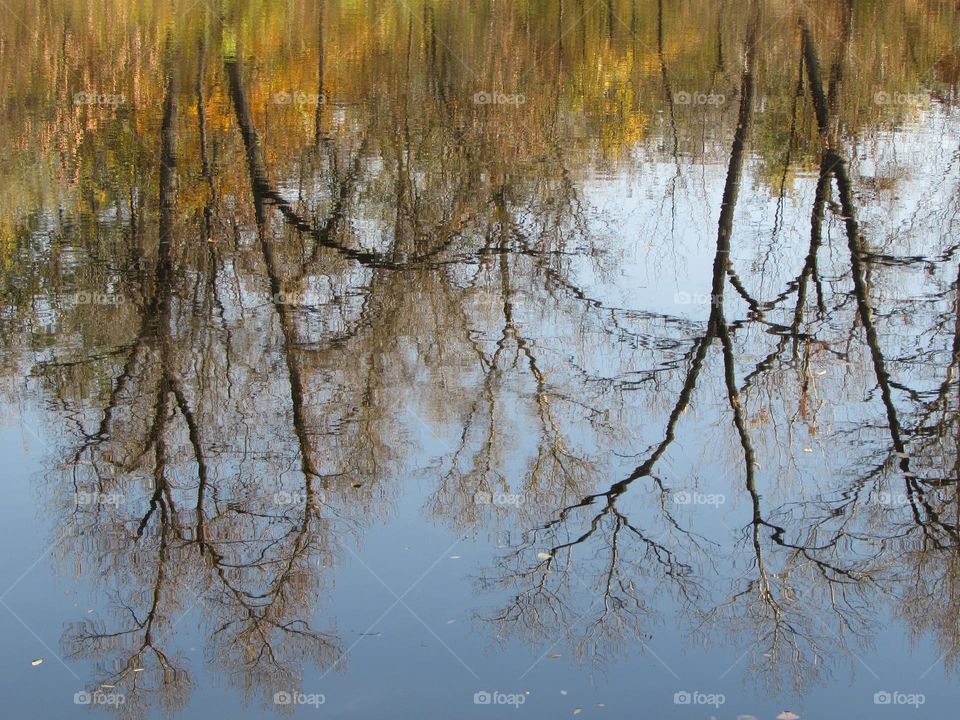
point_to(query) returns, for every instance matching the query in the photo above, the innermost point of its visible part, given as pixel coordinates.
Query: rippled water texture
(480, 358)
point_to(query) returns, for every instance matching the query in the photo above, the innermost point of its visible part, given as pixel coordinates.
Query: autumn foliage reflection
(334, 251)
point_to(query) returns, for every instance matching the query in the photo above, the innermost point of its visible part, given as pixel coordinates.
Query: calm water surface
(474, 358)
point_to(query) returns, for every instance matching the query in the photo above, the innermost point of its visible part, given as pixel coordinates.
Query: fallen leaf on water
(553, 656)
(787, 715)
(544, 555)
(38, 661)
(902, 456)
(808, 449)
(138, 669)
(454, 557)
(578, 711)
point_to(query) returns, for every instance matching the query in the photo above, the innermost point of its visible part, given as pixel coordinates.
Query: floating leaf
(544, 555)
(38, 661)
(787, 715)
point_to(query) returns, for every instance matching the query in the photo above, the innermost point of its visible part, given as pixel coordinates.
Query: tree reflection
(306, 289)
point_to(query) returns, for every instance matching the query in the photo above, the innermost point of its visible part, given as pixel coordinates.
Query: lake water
(475, 358)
